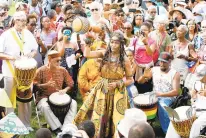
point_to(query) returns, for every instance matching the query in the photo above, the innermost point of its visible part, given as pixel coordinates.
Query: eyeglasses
(22, 20)
(59, 5)
(203, 26)
(135, 2)
(120, 15)
(153, 12)
(94, 10)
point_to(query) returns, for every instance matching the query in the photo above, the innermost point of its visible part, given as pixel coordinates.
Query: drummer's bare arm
(128, 72)
(43, 48)
(60, 47)
(32, 54)
(69, 81)
(93, 54)
(175, 85)
(145, 77)
(4, 56)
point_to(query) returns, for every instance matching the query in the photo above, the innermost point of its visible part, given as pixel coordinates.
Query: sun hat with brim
(165, 57)
(180, 9)
(131, 117)
(200, 72)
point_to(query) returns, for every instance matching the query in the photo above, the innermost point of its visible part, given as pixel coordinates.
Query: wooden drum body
(60, 105)
(80, 25)
(146, 104)
(25, 71)
(183, 125)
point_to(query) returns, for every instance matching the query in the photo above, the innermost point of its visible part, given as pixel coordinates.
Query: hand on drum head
(30, 55)
(62, 92)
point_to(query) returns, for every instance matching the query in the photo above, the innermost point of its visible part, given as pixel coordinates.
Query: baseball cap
(165, 57)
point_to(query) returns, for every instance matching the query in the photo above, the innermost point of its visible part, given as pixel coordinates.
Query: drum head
(182, 112)
(145, 99)
(59, 99)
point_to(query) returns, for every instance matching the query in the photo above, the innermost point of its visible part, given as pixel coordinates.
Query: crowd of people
(122, 49)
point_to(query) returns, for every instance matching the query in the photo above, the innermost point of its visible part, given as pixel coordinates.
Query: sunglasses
(94, 10)
(127, 28)
(33, 24)
(59, 5)
(121, 15)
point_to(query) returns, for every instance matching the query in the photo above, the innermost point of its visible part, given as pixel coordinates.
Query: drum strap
(21, 88)
(20, 41)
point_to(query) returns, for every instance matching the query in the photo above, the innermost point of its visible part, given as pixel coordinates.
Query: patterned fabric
(88, 76)
(60, 76)
(68, 52)
(105, 109)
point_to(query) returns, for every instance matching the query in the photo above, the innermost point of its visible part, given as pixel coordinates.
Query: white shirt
(162, 81)
(9, 46)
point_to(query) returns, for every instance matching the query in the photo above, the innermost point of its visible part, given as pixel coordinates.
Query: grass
(35, 126)
(34, 122)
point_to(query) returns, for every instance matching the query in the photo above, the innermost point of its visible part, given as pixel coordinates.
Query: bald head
(141, 130)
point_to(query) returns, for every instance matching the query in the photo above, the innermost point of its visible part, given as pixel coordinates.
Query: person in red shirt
(52, 78)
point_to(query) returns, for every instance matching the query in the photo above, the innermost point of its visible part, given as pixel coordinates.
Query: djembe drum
(148, 103)
(183, 125)
(25, 70)
(60, 105)
(81, 25)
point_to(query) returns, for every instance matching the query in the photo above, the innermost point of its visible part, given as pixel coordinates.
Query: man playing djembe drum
(198, 94)
(49, 79)
(166, 83)
(14, 43)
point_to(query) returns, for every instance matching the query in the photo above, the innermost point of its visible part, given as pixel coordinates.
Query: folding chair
(37, 111)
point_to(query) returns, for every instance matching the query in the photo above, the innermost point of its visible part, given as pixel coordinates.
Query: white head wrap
(19, 15)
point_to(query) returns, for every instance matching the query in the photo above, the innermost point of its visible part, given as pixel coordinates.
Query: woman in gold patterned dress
(108, 100)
